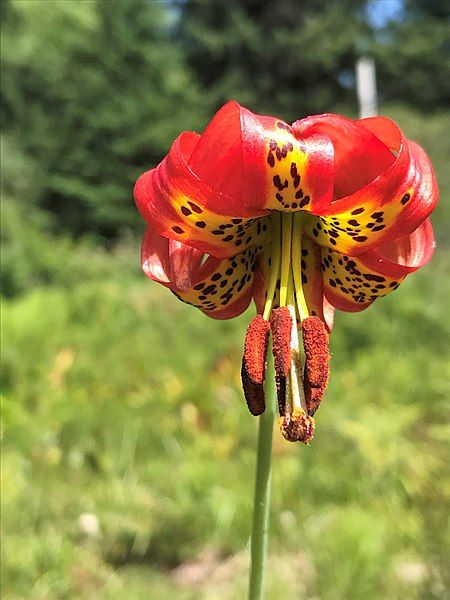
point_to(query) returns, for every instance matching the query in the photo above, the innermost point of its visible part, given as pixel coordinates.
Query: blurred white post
(366, 87)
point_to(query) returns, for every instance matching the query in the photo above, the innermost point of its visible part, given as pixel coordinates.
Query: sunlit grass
(124, 403)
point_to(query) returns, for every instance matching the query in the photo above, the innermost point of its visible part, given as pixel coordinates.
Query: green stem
(260, 525)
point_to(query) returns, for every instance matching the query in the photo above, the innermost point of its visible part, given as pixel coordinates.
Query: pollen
(315, 343)
(317, 358)
(281, 324)
(297, 427)
(313, 397)
(253, 370)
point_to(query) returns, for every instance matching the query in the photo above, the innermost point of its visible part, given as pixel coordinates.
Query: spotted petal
(179, 205)
(353, 283)
(221, 288)
(392, 205)
(209, 190)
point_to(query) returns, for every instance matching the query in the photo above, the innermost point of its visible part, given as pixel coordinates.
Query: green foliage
(123, 402)
(119, 401)
(280, 57)
(93, 93)
(126, 404)
(413, 57)
(33, 257)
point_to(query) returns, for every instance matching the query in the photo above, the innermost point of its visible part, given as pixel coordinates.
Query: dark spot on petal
(372, 277)
(194, 207)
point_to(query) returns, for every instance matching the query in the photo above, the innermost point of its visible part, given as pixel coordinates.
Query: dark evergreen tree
(413, 56)
(286, 57)
(93, 93)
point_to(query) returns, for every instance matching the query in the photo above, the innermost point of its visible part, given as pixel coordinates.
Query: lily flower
(327, 213)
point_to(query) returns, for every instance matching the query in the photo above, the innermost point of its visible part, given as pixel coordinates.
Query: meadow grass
(123, 403)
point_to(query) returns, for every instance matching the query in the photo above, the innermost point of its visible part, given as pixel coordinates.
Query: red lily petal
(353, 283)
(184, 261)
(328, 313)
(155, 259)
(209, 188)
(177, 204)
(385, 130)
(217, 157)
(283, 172)
(312, 282)
(393, 205)
(359, 156)
(222, 289)
(256, 160)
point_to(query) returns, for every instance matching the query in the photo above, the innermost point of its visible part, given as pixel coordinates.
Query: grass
(124, 404)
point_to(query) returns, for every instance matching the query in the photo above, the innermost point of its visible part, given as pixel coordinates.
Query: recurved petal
(179, 205)
(222, 288)
(359, 155)
(257, 161)
(385, 130)
(393, 205)
(352, 283)
(169, 262)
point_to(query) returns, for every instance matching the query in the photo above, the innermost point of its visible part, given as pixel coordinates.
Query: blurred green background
(128, 453)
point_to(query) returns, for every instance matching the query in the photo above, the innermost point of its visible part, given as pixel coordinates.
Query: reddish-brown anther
(313, 397)
(253, 370)
(281, 324)
(315, 343)
(317, 370)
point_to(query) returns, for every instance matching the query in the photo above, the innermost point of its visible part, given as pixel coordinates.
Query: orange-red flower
(325, 213)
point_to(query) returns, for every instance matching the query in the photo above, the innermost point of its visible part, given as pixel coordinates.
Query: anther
(281, 324)
(297, 426)
(317, 357)
(253, 369)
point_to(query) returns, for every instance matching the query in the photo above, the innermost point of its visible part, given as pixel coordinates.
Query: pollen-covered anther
(281, 324)
(313, 397)
(297, 426)
(317, 358)
(253, 370)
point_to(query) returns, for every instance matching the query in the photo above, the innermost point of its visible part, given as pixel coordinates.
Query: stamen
(275, 264)
(297, 233)
(317, 357)
(253, 369)
(286, 239)
(281, 324)
(313, 397)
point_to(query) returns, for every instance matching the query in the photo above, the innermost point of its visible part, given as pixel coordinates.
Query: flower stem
(260, 525)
